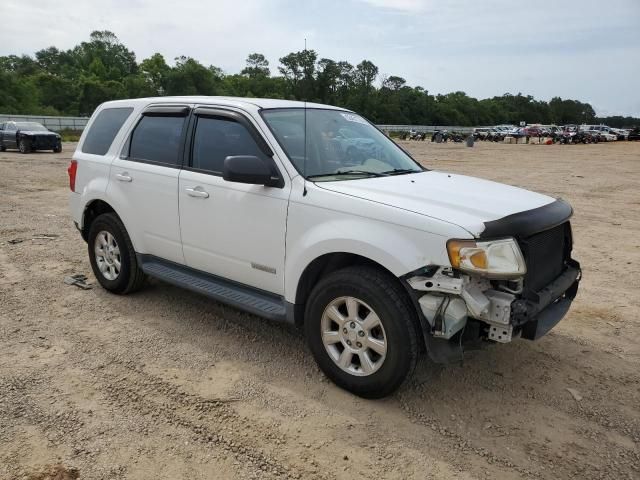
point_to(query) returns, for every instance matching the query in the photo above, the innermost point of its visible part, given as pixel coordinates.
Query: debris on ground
(575, 394)
(79, 280)
(45, 236)
(38, 236)
(55, 472)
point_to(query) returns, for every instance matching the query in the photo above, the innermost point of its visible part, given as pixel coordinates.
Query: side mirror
(249, 169)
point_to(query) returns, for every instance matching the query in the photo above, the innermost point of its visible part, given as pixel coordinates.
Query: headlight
(493, 258)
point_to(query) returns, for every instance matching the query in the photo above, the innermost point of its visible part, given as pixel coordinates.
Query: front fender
(313, 232)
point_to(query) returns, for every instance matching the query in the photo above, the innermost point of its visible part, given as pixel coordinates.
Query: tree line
(76, 81)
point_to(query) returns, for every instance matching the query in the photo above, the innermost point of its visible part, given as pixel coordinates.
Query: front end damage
(463, 310)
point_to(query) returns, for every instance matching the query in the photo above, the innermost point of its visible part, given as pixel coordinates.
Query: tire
(129, 277)
(24, 146)
(372, 291)
(3, 148)
(57, 149)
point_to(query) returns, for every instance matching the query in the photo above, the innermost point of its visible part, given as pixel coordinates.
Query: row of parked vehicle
(436, 136)
(558, 134)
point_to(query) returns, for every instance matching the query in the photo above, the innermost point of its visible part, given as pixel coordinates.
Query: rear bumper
(542, 311)
(76, 208)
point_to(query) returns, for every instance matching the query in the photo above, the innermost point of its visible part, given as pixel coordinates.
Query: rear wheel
(112, 256)
(362, 331)
(3, 148)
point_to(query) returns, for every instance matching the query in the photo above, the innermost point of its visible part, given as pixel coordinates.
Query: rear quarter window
(104, 129)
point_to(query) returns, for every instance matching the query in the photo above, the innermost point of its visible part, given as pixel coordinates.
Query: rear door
(233, 230)
(144, 181)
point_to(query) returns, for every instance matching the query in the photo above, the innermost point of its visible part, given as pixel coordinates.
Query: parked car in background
(28, 136)
(517, 132)
(620, 132)
(535, 131)
(634, 134)
(605, 133)
(481, 133)
(376, 262)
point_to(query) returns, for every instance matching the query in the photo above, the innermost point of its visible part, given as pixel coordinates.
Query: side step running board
(239, 296)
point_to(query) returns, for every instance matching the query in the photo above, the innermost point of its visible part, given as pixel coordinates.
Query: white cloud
(401, 5)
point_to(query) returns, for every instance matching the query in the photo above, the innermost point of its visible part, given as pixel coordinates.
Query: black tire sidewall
(401, 336)
(109, 223)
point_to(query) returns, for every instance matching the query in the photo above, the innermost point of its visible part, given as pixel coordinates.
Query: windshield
(338, 145)
(31, 126)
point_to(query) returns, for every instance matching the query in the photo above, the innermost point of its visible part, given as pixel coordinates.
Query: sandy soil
(165, 384)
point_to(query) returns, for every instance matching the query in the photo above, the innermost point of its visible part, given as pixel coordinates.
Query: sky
(587, 50)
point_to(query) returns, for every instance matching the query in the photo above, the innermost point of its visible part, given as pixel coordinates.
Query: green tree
(75, 81)
(257, 66)
(156, 73)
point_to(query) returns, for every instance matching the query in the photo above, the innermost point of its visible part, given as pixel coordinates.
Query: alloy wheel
(108, 257)
(353, 336)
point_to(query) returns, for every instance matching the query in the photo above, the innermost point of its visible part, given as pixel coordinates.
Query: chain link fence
(78, 123)
(56, 124)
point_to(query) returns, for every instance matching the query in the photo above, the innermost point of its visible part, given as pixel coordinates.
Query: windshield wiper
(400, 171)
(349, 172)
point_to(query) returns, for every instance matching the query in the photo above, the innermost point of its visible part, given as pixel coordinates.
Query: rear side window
(218, 138)
(104, 129)
(157, 139)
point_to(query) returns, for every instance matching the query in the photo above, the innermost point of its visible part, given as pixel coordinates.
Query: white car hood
(464, 201)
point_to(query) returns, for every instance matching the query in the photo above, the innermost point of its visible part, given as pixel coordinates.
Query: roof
(240, 102)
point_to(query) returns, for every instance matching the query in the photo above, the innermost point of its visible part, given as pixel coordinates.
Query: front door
(144, 180)
(232, 230)
(9, 135)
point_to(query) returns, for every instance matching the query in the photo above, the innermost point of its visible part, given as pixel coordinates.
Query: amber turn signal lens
(454, 247)
(479, 260)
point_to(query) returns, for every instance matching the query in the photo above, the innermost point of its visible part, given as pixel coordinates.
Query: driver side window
(217, 138)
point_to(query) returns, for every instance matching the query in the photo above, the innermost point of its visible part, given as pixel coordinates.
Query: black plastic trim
(529, 222)
(243, 297)
(553, 302)
(167, 111)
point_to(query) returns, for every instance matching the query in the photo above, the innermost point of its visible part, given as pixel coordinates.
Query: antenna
(304, 160)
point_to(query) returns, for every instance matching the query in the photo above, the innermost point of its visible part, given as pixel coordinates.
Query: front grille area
(44, 142)
(545, 254)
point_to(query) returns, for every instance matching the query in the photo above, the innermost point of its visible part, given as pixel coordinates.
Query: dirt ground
(166, 384)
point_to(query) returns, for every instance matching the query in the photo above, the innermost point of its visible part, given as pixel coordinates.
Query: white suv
(265, 206)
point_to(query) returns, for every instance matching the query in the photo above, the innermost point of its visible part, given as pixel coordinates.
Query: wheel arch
(93, 210)
(331, 262)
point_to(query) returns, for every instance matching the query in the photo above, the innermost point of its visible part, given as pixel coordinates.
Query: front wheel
(362, 331)
(24, 146)
(112, 256)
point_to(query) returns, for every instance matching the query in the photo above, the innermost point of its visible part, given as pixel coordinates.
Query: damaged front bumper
(547, 307)
(460, 311)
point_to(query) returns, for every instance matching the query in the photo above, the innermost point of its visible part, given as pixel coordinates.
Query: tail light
(72, 170)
